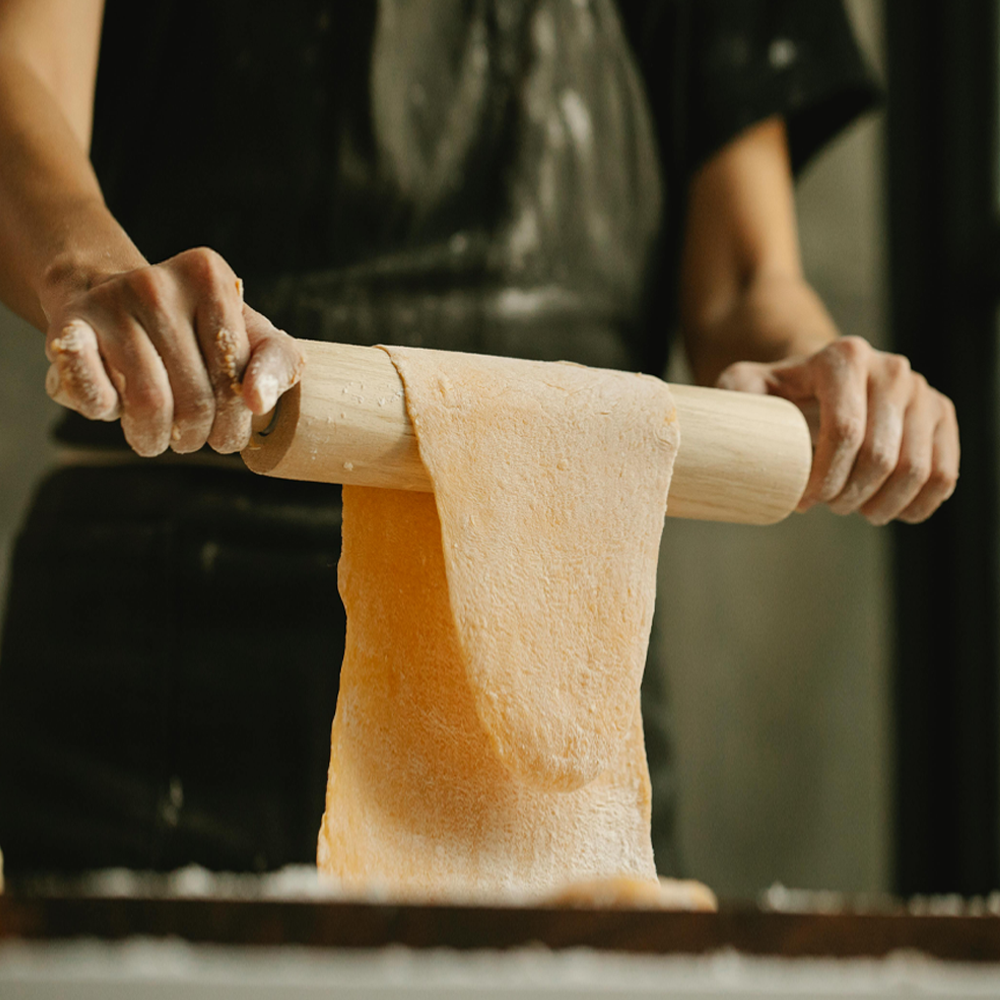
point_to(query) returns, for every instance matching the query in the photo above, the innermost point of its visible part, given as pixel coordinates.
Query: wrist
(774, 316)
(93, 249)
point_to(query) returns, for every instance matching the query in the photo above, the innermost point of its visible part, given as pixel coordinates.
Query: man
(470, 176)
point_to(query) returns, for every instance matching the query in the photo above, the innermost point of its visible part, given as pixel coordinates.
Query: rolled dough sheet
(488, 738)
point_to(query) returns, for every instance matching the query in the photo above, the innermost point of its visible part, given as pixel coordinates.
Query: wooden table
(744, 929)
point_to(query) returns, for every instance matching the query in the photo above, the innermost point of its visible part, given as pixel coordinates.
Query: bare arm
(50, 201)
(887, 442)
(171, 348)
(741, 253)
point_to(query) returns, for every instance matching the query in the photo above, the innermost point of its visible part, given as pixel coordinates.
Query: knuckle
(148, 399)
(105, 299)
(943, 480)
(847, 430)
(853, 350)
(880, 460)
(948, 409)
(914, 471)
(71, 342)
(148, 284)
(197, 411)
(897, 367)
(208, 267)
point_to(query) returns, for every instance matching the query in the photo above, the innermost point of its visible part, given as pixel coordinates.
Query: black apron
(479, 175)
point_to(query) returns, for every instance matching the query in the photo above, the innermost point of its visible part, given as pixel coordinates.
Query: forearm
(771, 317)
(743, 293)
(886, 443)
(171, 347)
(56, 234)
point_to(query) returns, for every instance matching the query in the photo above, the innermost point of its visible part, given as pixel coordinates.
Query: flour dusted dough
(621, 893)
(488, 737)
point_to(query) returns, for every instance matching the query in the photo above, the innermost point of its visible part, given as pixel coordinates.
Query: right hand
(172, 350)
(887, 443)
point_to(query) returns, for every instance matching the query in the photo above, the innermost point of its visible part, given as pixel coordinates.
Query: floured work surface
(488, 739)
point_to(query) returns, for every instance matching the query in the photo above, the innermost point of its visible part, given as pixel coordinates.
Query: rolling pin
(743, 458)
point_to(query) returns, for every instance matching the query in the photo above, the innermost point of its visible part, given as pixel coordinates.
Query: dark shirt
(500, 176)
(497, 176)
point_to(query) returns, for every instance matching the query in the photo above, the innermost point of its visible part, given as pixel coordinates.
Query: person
(535, 177)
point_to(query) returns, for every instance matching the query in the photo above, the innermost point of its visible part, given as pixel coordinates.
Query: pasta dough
(488, 737)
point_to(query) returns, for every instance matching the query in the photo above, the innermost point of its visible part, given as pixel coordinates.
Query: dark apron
(169, 674)
(462, 175)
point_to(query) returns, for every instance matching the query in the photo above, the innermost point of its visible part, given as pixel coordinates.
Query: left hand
(170, 348)
(887, 442)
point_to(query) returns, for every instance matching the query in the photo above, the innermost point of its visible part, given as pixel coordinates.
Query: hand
(887, 443)
(170, 348)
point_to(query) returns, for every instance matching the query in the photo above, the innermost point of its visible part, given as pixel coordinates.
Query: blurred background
(834, 685)
(779, 640)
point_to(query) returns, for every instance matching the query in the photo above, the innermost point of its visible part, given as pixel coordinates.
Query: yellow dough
(623, 893)
(488, 739)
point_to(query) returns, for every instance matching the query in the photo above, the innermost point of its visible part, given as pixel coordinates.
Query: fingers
(223, 343)
(837, 378)
(944, 470)
(104, 377)
(927, 471)
(140, 378)
(161, 311)
(889, 390)
(887, 444)
(276, 363)
(166, 347)
(77, 378)
(746, 376)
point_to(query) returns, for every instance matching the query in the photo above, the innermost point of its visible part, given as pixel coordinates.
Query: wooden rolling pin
(743, 458)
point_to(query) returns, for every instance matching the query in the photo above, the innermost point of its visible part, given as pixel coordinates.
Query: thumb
(796, 381)
(746, 376)
(793, 380)
(275, 365)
